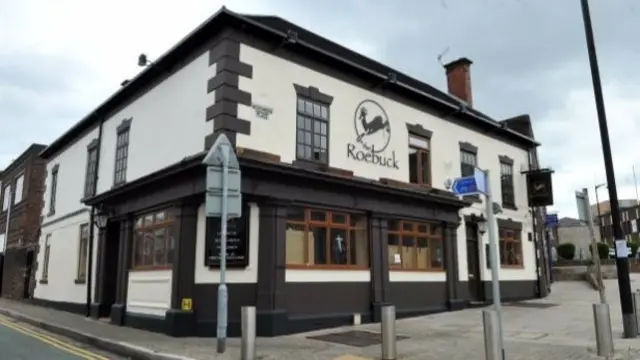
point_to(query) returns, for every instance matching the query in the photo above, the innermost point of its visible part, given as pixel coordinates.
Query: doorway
(26, 289)
(110, 274)
(473, 262)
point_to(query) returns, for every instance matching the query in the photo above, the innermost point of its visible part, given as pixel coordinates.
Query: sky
(60, 59)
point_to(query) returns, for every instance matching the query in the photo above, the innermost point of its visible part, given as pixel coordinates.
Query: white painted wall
(149, 292)
(63, 262)
(205, 275)
(315, 275)
(272, 86)
(168, 124)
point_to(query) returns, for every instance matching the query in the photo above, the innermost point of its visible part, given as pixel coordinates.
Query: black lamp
(101, 218)
(482, 224)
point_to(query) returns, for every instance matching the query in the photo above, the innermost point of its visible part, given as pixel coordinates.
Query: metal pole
(599, 215)
(491, 326)
(248, 342)
(222, 288)
(604, 335)
(594, 251)
(388, 325)
(493, 255)
(636, 305)
(622, 262)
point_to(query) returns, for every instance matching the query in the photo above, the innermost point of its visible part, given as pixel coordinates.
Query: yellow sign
(187, 304)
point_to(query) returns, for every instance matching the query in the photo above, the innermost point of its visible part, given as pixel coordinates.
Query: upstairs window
(312, 139)
(122, 153)
(91, 169)
(419, 160)
(17, 197)
(54, 188)
(468, 163)
(6, 197)
(506, 180)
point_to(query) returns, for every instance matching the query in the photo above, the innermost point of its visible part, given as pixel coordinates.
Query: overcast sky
(60, 59)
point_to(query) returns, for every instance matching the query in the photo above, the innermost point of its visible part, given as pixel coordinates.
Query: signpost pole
(493, 255)
(222, 287)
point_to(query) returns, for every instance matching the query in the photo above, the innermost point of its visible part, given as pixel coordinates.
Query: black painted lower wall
(310, 306)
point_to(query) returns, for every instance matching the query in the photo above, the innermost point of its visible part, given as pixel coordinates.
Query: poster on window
(237, 242)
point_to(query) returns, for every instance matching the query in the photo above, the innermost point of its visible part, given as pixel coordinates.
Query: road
(19, 341)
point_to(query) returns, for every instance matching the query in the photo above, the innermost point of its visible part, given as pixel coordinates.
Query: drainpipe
(92, 221)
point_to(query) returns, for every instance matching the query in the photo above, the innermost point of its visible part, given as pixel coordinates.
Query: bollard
(388, 324)
(491, 326)
(604, 335)
(636, 308)
(248, 341)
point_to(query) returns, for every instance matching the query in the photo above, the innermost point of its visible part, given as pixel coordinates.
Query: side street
(558, 327)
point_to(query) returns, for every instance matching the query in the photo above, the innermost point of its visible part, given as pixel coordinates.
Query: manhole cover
(531, 305)
(355, 338)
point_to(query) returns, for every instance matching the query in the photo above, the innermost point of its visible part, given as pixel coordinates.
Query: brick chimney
(459, 79)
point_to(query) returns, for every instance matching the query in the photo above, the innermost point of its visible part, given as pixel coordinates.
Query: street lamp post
(622, 261)
(601, 229)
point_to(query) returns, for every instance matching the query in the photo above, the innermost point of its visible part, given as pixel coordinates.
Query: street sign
(214, 184)
(551, 221)
(470, 185)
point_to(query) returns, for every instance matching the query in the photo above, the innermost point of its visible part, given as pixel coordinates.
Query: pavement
(20, 341)
(558, 327)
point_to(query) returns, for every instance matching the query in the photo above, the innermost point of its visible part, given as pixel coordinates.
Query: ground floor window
(45, 260)
(510, 248)
(321, 238)
(83, 252)
(415, 246)
(154, 241)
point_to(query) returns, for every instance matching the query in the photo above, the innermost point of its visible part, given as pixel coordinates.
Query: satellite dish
(142, 60)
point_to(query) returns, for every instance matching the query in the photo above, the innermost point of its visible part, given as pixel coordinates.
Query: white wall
(149, 292)
(205, 275)
(63, 261)
(272, 86)
(168, 124)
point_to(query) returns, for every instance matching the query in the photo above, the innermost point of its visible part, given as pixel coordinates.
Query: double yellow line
(57, 343)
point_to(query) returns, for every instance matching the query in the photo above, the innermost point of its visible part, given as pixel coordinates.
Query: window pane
(320, 216)
(323, 128)
(407, 226)
(408, 253)
(295, 214)
(147, 254)
(307, 124)
(308, 108)
(413, 166)
(159, 247)
(393, 225)
(323, 142)
(317, 126)
(325, 113)
(338, 243)
(422, 228)
(300, 105)
(338, 218)
(316, 140)
(418, 142)
(307, 138)
(318, 252)
(300, 151)
(422, 261)
(316, 110)
(358, 248)
(138, 250)
(436, 254)
(295, 238)
(424, 167)
(300, 123)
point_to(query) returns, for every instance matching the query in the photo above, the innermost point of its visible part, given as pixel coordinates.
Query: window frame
(415, 233)
(418, 151)
(83, 249)
(44, 276)
(54, 189)
(6, 197)
(121, 158)
(19, 180)
(91, 171)
(328, 224)
(315, 119)
(508, 198)
(463, 163)
(503, 240)
(169, 224)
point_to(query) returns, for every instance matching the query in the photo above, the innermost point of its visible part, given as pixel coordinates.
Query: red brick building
(21, 200)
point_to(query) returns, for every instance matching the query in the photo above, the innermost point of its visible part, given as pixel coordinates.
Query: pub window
(83, 252)
(312, 129)
(415, 246)
(506, 178)
(326, 238)
(510, 248)
(45, 260)
(419, 160)
(154, 241)
(6, 197)
(54, 188)
(468, 162)
(122, 155)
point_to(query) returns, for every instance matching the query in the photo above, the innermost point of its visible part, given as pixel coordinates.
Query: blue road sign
(551, 221)
(465, 186)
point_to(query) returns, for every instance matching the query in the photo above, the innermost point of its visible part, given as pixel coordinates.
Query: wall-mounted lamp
(101, 218)
(481, 222)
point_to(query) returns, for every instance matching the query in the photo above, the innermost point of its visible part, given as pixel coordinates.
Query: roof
(269, 27)
(31, 150)
(569, 222)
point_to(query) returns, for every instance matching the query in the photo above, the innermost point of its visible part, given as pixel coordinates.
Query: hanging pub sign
(539, 187)
(237, 242)
(373, 133)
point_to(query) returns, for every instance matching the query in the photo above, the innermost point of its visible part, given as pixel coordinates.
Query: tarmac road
(19, 341)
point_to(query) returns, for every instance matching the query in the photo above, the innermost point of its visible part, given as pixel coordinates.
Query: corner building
(344, 163)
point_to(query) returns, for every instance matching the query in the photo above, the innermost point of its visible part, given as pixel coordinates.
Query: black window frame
(122, 152)
(507, 185)
(54, 189)
(313, 118)
(467, 168)
(418, 133)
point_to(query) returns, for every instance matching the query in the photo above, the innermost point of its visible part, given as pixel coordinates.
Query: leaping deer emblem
(378, 123)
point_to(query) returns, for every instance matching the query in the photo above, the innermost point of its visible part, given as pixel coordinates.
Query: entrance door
(27, 275)
(473, 262)
(110, 276)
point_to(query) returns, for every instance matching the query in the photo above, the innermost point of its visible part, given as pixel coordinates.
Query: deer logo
(372, 126)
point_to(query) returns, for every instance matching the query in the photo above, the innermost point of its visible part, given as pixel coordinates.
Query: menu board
(237, 242)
